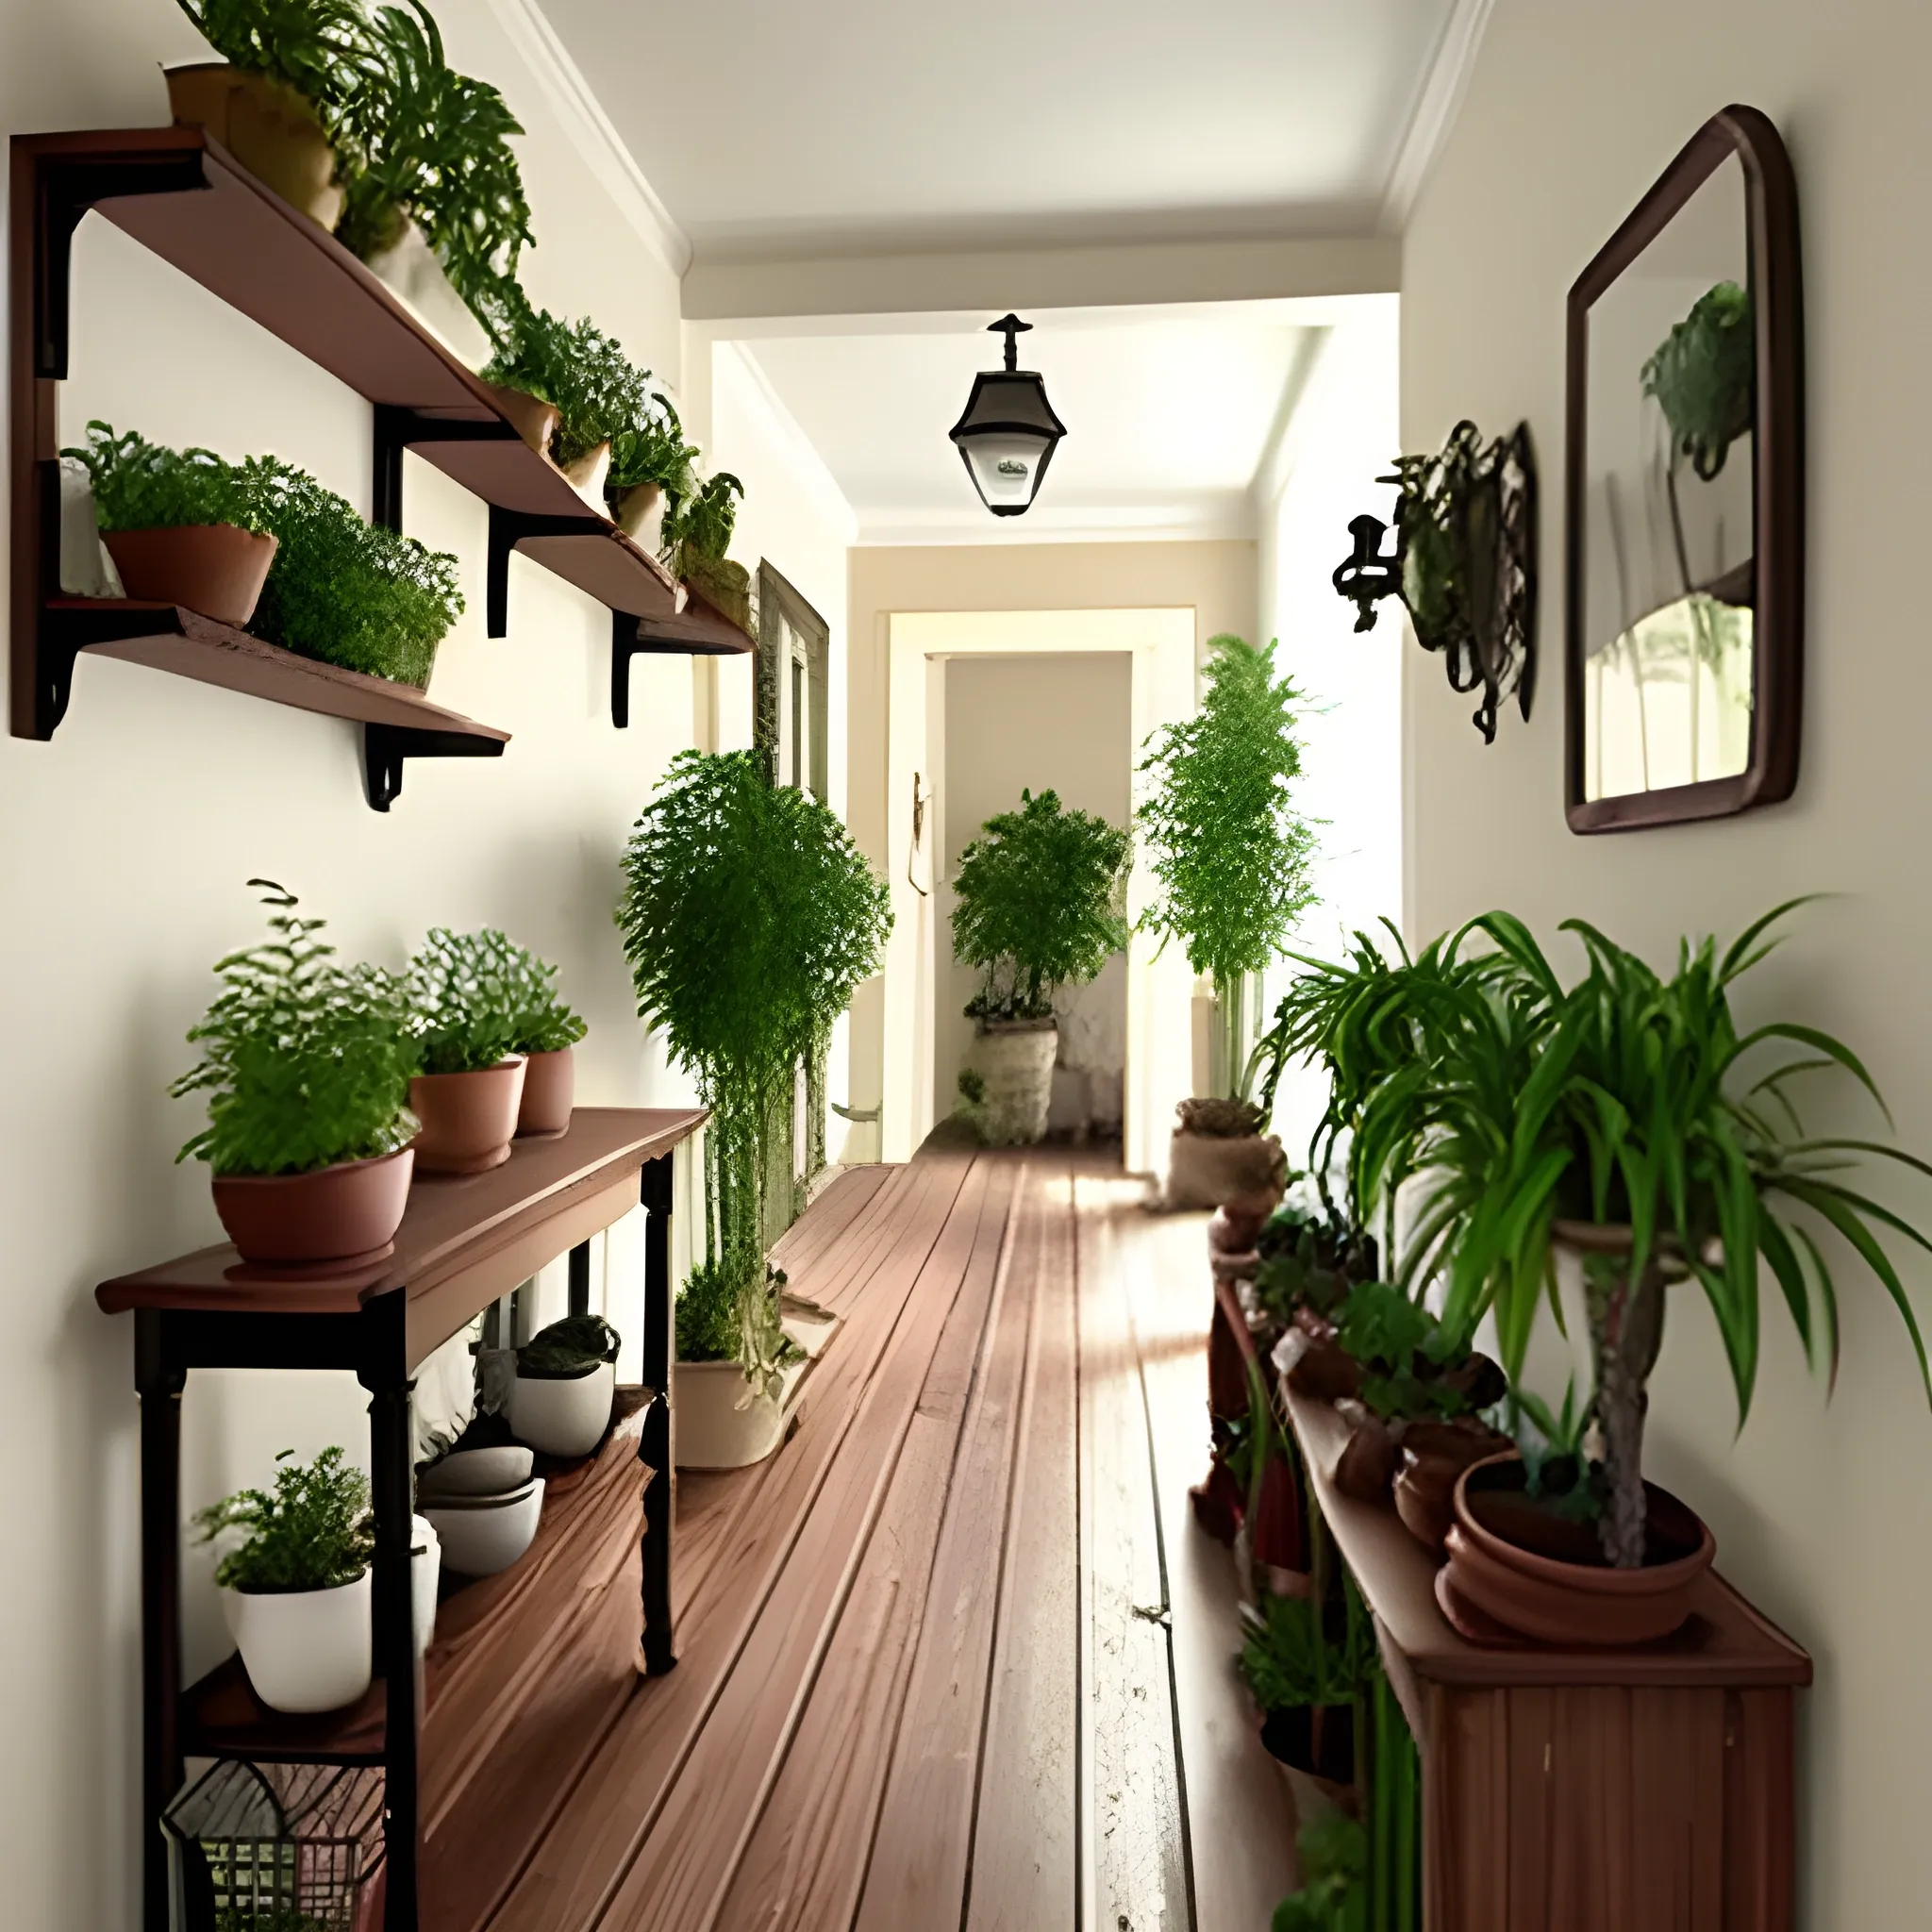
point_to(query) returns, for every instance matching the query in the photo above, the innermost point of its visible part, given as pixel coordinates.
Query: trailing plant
(541, 1022)
(315, 47)
(1229, 852)
(748, 918)
(1036, 905)
(305, 1062)
(1333, 1856)
(431, 144)
(568, 1348)
(312, 1531)
(1703, 375)
(1534, 1113)
(139, 485)
(465, 999)
(348, 592)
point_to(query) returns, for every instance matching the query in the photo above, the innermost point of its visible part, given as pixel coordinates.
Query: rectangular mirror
(1685, 511)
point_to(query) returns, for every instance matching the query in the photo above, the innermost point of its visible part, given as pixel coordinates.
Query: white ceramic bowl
(475, 1473)
(304, 1650)
(564, 1418)
(481, 1535)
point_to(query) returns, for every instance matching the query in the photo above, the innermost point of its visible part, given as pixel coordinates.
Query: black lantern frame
(1006, 402)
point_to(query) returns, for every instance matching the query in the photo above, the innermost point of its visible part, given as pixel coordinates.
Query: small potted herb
(183, 526)
(1230, 855)
(1306, 1675)
(307, 1066)
(463, 1008)
(730, 1379)
(566, 1378)
(544, 1032)
(1037, 906)
(697, 532)
(296, 1591)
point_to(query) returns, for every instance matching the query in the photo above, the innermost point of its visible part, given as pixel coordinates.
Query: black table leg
(580, 1279)
(655, 1447)
(159, 1381)
(390, 1443)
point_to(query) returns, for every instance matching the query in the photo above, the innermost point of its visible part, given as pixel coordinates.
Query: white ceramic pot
(304, 1650)
(711, 1429)
(1015, 1059)
(409, 269)
(481, 1535)
(475, 1472)
(563, 1418)
(426, 1573)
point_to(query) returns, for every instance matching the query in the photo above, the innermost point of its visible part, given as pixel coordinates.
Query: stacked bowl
(484, 1506)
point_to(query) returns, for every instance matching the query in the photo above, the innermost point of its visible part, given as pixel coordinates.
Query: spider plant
(1624, 1116)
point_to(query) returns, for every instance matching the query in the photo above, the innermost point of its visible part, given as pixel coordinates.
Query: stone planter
(1015, 1059)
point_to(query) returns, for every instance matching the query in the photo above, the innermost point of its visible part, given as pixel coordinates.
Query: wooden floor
(953, 1655)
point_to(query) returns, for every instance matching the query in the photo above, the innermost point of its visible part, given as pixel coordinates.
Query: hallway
(956, 1654)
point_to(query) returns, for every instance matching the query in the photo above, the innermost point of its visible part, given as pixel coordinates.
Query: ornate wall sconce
(1464, 564)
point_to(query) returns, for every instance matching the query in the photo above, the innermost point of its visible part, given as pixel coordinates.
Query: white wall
(1819, 1508)
(128, 841)
(1046, 723)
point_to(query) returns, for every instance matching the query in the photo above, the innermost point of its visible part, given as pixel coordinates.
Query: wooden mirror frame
(1771, 198)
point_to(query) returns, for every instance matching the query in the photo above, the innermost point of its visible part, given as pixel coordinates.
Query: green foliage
(1288, 1660)
(651, 449)
(1555, 1462)
(541, 1022)
(1703, 375)
(426, 141)
(701, 523)
(305, 1062)
(720, 1319)
(1406, 1350)
(314, 46)
(312, 1531)
(1333, 1854)
(139, 485)
(466, 999)
(600, 395)
(567, 1349)
(748, 918)
(1036, 905)
(1227, 847)
(349, 592)
(1309, 1261)
(240, 1919)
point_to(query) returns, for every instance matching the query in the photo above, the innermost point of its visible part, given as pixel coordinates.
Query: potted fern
(1230, 855)
(544, 1031)
(307, 1065)
(296, 1590)
(464, 995)
(1037, 906)
(748, 917)
(1623, 1118)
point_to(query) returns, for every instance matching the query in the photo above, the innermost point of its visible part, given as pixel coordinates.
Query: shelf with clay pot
(700, 629)
(180, 195)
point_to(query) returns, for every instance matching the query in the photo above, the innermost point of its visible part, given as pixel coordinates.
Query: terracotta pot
(1434, 1455)
(1319, 1739)
(347, 1212)
(1316, 1364)
(1015, 1059)
(1366, 1466)
(1246, 1173)
(1218, 1503)
(534, 420)
(549, 1088)
(1575, 1603)
(269, 128)
(216, 569)
(468, 1119)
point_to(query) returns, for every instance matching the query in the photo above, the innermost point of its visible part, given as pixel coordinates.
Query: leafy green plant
(1333, 1854)
(600, 395)
(1036, 905)
(701, 523)
(433, 143)
(305, 1062)
(568, 1348)
(1556, 1465)
(1309, 1261)
(314, 46)
(1407, 1353)
(1615, 1114)
(541, 1022)
(1227, 847)
(139, 485)
(240, 1919)
(748, 918)
(312, 1531)
(651, 449)
(1288, 1660)
(1703, 375)
(465, 999)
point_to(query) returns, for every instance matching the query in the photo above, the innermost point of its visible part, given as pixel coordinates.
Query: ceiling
(768, 128)
(1169, 414)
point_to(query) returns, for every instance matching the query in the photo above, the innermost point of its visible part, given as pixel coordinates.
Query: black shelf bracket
(508, 528)
(396, 429)
(384, 747)
(625, 644)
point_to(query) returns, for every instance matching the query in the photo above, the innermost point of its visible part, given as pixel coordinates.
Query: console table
(464, 1243)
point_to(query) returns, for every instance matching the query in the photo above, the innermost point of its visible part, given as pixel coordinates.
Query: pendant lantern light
(1008, 432)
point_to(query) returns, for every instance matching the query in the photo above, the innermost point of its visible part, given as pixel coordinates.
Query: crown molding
(591, 131)
(810, 469)
(1438, 99)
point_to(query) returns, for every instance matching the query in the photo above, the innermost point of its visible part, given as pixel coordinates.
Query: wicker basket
(276, 1848)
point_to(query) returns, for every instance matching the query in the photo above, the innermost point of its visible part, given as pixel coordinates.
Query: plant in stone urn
(1627, 1119)
(1230, 856)
(1036, 907)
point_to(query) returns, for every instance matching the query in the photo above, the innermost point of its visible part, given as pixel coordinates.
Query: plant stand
(463, 1244)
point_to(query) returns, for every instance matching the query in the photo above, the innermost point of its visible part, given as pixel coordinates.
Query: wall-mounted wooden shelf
(699, 630)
